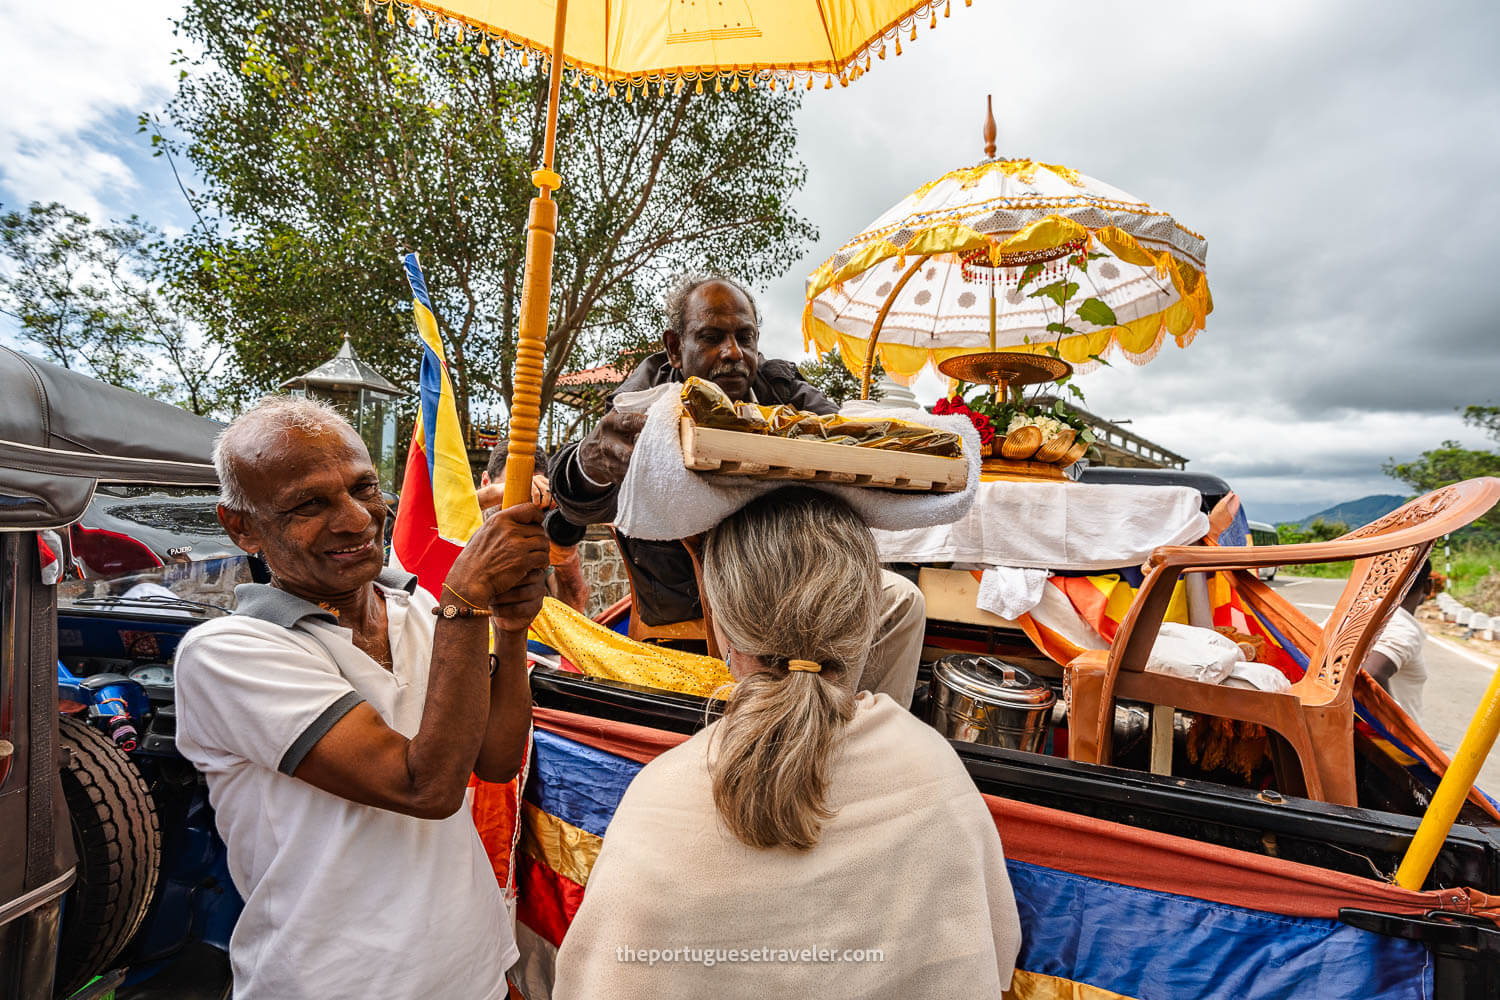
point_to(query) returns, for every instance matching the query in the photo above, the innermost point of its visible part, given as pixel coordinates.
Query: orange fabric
(1112, 852)
(495, 819)
(1055, 646)
(1091, 602)
(1126, 855)
(1375, 698)
(638, 743)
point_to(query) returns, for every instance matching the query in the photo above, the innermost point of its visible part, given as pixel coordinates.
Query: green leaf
(1059, 328)
(1053, 352)
(1059, 292)
(1086, 436)
(1030, 274)
(387, 139)
(1097, 312)
(1076, 391)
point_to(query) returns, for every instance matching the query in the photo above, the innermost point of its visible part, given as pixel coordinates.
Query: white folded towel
(1010, 591)
(660, 499)
(1193, 653)
(1201, 654)
(1262, 676)
(640, 400)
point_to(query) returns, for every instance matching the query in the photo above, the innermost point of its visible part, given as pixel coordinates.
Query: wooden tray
(1004, 468)
(760, 456)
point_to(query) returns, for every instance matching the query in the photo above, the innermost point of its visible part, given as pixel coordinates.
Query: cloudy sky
(1340, 157)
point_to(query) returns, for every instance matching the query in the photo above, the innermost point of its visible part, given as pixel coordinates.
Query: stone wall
(602, 568)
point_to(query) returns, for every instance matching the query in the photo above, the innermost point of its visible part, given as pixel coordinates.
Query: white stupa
(894, 395)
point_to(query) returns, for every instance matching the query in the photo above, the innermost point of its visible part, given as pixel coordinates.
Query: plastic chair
(1317, 716)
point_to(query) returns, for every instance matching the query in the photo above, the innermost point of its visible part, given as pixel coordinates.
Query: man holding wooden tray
(713, 332)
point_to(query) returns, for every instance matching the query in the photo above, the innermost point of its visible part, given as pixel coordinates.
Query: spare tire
(118, 838)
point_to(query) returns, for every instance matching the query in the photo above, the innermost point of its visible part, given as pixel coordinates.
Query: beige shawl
(909, 868)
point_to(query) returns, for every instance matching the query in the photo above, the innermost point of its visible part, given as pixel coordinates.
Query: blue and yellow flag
(439, 510)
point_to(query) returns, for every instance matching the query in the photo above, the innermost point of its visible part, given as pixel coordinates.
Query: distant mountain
(1284, 511)
(1357, 512)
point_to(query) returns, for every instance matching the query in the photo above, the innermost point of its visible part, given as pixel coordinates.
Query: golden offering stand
(1022, 455)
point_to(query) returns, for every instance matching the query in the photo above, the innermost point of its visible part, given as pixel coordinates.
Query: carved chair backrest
(1376, 587)
(1378, 584)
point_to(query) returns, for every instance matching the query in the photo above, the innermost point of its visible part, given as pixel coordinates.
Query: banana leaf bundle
(709, 406)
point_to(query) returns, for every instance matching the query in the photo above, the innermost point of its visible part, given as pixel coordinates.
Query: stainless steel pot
(982, 699)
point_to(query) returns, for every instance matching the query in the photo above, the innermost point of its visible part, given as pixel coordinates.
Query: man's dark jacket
(661, 573)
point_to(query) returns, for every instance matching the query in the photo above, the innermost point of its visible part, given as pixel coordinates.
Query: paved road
(1455, 680)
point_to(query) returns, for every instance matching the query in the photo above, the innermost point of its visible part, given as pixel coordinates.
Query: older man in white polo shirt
(337, 716)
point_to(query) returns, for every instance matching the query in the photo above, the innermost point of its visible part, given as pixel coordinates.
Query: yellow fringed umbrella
(641, 44)
(1009, 255)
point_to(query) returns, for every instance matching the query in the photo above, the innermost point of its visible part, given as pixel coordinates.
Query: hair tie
(811, 666)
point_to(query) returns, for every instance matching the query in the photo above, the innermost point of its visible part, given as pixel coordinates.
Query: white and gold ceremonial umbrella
(1009, 255)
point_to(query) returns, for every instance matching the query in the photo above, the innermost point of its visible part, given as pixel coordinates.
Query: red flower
(954, 405)
(980, 422)
(983, 426)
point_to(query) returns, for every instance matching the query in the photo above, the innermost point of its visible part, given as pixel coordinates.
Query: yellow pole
(536, 295)
(1452, 790)
(995, 390)
(869, 369)
(992, 314)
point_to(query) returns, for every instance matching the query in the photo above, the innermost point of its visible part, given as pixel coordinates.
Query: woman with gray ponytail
(811, 842)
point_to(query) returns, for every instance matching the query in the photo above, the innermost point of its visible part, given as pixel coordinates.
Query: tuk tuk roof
(62, 432)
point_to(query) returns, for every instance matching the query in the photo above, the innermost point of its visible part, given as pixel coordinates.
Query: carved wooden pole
(989, 154)
(536, 295)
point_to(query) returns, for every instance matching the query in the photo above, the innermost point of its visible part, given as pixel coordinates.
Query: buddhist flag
(438, 509)
(1108, 911)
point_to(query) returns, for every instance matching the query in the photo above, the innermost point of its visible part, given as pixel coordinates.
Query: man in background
(713, 333)
(565, 579)
(1395, 659)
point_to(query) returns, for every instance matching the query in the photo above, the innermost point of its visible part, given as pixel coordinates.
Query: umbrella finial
(989, 127)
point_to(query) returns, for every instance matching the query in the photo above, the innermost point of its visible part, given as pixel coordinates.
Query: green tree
(1452, 463)
(1318, 531)
(91, 298)
(1486, 417)
(835, 381)
(327, 144)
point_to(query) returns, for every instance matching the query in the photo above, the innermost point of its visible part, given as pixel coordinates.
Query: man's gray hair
(683, 288)
(272, 416)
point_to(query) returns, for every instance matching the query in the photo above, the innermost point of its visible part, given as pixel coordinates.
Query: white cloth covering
(1263, 676)
(1401, 641)
(1010, 591)
(1203, 655)
(1056, 526)
(910, 864)
(342, 900)
(1192, 653)
(660, 499)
